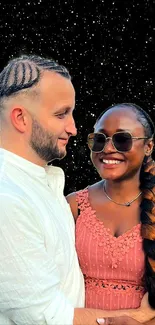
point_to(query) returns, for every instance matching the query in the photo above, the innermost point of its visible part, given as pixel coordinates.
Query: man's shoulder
(10, 187)
(11, 199)
(17, 208)
(55, 170)
(12, 193)
(56, 177)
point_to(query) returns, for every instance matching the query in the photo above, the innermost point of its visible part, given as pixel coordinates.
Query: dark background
(109, 49)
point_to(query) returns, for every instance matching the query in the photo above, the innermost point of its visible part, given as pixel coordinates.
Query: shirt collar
(24, 164)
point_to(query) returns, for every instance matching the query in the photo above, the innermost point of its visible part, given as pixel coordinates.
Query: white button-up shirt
(40, 278)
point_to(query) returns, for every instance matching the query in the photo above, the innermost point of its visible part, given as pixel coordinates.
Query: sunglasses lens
(122, 141)
(96, 142)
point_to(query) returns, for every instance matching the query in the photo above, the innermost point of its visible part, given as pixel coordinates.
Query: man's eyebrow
(61, 109)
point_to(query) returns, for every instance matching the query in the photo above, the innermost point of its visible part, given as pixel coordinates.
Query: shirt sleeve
(29, 278)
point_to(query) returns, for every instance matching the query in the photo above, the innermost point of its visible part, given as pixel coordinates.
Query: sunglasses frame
(111, 138)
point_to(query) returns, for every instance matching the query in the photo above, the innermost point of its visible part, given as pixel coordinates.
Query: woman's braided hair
(147, 185)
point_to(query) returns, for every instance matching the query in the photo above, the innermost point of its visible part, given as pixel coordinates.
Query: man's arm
(30, 285)
(30, 290)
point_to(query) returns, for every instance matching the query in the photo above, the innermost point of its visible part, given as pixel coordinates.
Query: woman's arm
(114, 317)
(151, 322)
(122, 320)
(90, 316)
(71, 199)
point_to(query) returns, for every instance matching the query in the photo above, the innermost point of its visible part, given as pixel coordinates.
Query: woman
(115, 217)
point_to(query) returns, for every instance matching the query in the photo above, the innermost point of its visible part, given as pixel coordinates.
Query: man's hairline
(33, 90)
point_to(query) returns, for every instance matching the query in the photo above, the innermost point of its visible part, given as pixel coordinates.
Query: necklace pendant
(127, 204)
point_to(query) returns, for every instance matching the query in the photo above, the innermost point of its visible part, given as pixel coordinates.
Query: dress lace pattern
(111, 265)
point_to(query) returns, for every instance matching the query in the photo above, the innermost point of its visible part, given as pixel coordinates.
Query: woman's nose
(109, 147)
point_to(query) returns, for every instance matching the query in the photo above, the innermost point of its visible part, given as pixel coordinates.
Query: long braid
(147, 185)
(147, 216)
(148, 225)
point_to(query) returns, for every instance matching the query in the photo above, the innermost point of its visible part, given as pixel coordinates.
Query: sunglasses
(122, 141)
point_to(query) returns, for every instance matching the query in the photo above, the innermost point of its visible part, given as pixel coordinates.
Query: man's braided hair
(24, 72)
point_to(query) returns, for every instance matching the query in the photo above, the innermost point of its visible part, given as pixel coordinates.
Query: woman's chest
(119, 220)
(101, 253)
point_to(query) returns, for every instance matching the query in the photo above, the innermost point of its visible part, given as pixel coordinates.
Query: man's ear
(19, 118)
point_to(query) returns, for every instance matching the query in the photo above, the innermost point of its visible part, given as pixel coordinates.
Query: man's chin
(62, 155)
(59, 156)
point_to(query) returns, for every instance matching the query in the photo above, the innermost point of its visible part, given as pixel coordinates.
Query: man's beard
(42, 142)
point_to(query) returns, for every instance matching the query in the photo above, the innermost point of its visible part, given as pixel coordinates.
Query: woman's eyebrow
(118, 130)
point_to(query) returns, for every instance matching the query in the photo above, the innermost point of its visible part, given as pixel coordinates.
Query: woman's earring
(148, 153)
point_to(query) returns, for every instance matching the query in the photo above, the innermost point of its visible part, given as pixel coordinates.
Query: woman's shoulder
(72, 200)
(75, 198)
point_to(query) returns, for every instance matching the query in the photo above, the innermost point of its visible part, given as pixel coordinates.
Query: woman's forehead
(119, 119)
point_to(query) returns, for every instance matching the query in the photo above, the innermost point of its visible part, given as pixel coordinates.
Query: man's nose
(71, 127)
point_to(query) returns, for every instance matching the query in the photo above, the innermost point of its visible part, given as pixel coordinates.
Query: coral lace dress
(113, 267)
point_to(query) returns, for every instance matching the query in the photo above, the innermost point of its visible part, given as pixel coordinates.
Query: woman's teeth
(105, 161)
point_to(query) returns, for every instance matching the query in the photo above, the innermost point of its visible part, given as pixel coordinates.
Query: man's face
(52, 119)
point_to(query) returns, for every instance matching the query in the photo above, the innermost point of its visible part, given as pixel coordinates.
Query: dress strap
(82, 199)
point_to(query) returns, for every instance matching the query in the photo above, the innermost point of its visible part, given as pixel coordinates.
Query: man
(40, 279)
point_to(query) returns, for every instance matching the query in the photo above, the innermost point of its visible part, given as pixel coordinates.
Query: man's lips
(64, 140)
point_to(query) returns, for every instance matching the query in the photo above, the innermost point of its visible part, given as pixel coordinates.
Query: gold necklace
(127, 204)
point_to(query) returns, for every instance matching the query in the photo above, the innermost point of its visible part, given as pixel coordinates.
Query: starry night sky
(109, 49)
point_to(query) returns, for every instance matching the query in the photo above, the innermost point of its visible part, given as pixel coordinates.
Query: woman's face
(110, 163)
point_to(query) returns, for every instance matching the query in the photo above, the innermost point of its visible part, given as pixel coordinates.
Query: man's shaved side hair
(23, 73)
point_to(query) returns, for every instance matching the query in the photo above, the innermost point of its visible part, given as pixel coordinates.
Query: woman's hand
(122, 320)
(136, 316)
(146, 313)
